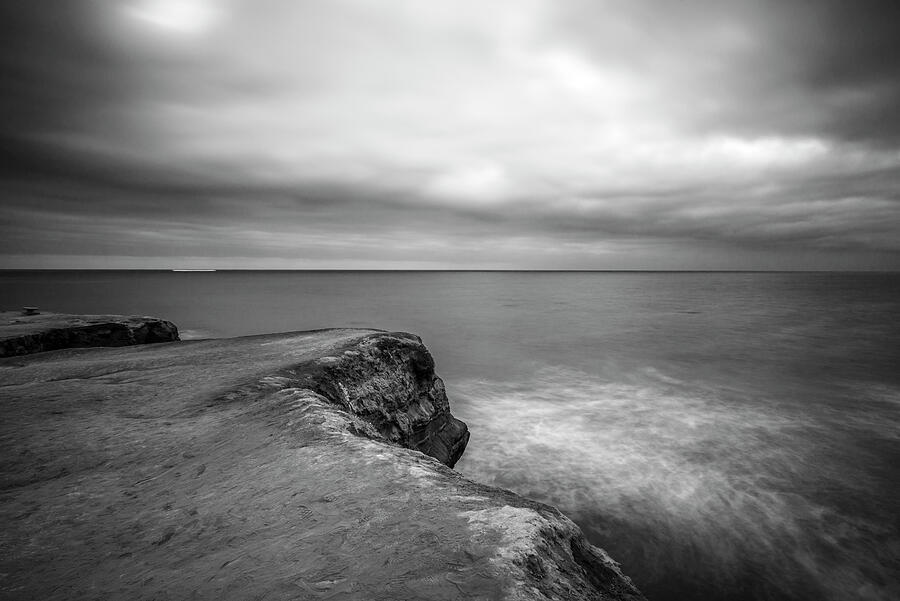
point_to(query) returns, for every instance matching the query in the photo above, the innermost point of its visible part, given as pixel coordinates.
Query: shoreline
(306, 463)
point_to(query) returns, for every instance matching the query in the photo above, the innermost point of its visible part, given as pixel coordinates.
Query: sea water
(722, 435)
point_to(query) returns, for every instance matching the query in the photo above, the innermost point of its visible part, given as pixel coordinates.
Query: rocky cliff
(305, 465)
(25, 334)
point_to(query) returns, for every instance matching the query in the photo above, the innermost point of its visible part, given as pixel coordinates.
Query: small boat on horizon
(193, 270)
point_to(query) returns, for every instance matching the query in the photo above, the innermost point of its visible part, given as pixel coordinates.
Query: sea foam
(698, 492)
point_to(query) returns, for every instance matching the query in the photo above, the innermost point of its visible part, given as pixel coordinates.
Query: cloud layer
(492, 134)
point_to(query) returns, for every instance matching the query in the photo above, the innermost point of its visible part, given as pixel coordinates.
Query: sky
(473, 134)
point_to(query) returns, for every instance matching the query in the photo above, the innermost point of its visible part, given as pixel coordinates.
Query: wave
(698, 491)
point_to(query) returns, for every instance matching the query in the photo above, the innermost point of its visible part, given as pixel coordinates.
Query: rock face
(388, 381)
(263, 467)
(26, 334)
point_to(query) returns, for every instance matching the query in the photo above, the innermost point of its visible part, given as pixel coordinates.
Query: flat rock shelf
(304, 465)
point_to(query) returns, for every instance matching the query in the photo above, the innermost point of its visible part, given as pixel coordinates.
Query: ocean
(723, 435)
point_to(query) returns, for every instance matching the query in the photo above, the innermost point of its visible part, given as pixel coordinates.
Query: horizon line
(357, 270)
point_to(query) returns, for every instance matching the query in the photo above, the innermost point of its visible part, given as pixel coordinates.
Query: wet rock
(26, 334)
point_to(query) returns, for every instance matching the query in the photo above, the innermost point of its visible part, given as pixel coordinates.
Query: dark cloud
(58, 75)
(633, 134)
(761, 67)
(846, 57)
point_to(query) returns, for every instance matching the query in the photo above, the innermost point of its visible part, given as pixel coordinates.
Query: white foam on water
(191, 334)
(716, 488)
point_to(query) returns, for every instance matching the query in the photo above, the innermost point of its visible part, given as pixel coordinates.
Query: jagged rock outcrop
(25, 334)
(388, 381)
(263, 467)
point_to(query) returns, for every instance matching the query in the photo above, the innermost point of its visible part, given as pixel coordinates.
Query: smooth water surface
(722, 435)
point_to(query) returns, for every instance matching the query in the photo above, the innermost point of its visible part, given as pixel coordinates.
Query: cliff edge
(263, 467)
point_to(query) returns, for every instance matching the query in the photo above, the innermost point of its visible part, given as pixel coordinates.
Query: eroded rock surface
(260, 467)
(388, 380)
(25, 334)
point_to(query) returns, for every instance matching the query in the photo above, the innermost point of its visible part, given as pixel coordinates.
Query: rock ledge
(25, 334)
(267, 466)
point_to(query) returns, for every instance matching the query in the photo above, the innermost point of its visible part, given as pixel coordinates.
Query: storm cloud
(526, 134)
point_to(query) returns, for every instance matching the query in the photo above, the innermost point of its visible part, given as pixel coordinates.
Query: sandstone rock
(388, 380)
(25, 334)
(263, 467)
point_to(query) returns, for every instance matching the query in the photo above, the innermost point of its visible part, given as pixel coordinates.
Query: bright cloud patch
(182, 16)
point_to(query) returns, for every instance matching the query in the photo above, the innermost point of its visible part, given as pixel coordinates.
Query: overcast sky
(533, 134)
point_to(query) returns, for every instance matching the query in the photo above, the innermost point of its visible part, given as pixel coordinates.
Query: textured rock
(25, 334)
(388, 381)
(259, 467)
